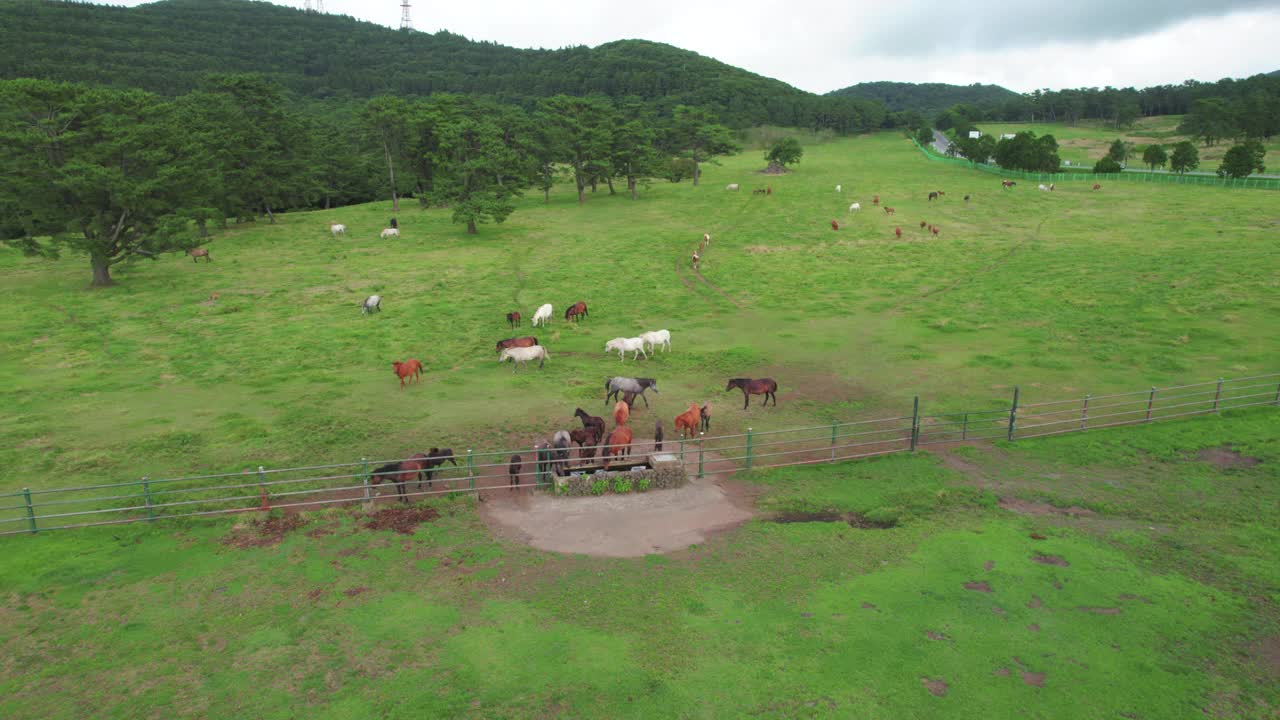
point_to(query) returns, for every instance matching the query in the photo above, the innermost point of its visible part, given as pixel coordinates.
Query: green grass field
(1153, 593)
(1088, 141)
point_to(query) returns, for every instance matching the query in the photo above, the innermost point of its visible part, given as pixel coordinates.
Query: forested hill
(166, 47)
(926, 98)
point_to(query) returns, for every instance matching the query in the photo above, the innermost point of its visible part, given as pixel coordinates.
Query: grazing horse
(705, 413)
(1097, 186)
(657, 337)
(687, 422)
(616, 385)
(1006, 184)
(587, 440)
(897, 231)
(763, 386)
(542, 315)
(934, 228)
(621, 411)
(526, 341)
(657, 435)
(933, 196)
(619, 444)
(591, 422)
(875, 200)
(400, 473)
(411, 369)
(513, 318)
(373, 303)
(389, 232)
(966, 198)
(888, 210)
(197, 253)
(435, 458)
(522, 355)
(577, 311)
(835, 225)
(625, 345)
(337, 229)
(513, 472)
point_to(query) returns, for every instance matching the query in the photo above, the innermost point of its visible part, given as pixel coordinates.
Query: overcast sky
(821, 46)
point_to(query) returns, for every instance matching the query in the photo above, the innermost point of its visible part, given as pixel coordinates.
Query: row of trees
(120, 175)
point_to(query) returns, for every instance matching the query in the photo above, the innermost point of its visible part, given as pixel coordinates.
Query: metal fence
(298, 488)
(1136, 177)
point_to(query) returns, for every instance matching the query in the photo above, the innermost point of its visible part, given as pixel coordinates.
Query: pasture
(1118, 573)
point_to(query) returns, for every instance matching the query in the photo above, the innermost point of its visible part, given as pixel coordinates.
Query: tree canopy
(1243, 160)
(785, 151)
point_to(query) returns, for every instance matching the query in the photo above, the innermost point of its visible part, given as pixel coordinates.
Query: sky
(821, 46)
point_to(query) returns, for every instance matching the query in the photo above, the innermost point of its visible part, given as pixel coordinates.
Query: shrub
(599, 487)
(642, 484)
(622, 485)
(1106, 165)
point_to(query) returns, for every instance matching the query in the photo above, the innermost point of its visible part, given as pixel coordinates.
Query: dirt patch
(322, 531)
(982, 586)
(263, 533)
(853, 519)
(1033, 627)
(936, 635)
(1226, 458)
(1266, 654)
(989, 565)
(1050, 560)
(774, 169)
(1000, 672)
(315, 595)
(1028, 507)
(868, 606)
(404, 520)
(1035, 603)
(352, 592)
(1033, 678)
(1131, 598)
(631, 525)
(1099, 610)
(936, 686)
(1037, 536)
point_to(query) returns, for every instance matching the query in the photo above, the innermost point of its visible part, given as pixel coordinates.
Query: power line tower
(314, 6)
(405, 22)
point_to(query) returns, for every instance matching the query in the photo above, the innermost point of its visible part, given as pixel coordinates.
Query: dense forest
(927, 98)
(167, 47)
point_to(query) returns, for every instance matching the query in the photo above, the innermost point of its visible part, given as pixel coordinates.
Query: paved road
(940, 142)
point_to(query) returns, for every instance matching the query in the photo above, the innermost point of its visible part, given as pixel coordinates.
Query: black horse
(435, 458)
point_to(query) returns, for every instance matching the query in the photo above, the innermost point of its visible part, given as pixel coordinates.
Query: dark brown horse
(513, 318)
(762, 386)
(513, 471)
(526, 341)
(592, 423)
(587, 441)
(435, 458)
(400, 473)
(705, 412)
(657, 436)
(576, 311)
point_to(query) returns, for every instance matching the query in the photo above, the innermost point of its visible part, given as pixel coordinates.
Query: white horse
(373, 303)
(522, 355)
(855, 207)
(838, 189)
(731, 186)
(542, 315)
(390, 232)
(706, 238)
(657, 337)
(1044, 187)
(626, 345)
(337, 229)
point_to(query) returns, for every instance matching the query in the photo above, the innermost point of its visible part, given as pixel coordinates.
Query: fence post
(1278, 393)
(834, 426)
(1151, 399)
(364, 477)
(146, 493)
(31, 511)
(749, 458)
(1013, 412)
(915, 422)
(1217, 395)
(701, 442)
(964, 429)
(1084, 413)
(262, 489)
(682, 448)
(471, 470)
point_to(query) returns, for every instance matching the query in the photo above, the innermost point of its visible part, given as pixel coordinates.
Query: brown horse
(435, 458)
(621, 411)
(400, 474)
(513, 472)
(513, 318)
(762, 386)
(687, 422)
(933, 196)
(197, 253)
(576, 311)
(705, 412)
(587, 441)
(657, 435)
(526, 341)
(619, 444)
(591, 422)
(406, 370)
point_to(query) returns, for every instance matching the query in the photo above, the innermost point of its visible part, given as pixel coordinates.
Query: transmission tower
(314, 6)
(405, 22)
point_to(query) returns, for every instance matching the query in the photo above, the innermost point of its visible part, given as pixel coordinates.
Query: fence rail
(150, 499)
(1132, 176)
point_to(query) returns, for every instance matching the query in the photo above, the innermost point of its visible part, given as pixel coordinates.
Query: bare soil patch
(404, 520)
(1226, 458)
(1266, 654)
(989, 565)
(263, 533)
(1100, 610)
(1035, 602)
(1000, 672)
(1033, 627)
(982, 586)
(1050, 560)
(853, 519)
(936, 635)
(632, 525)
(1028, 507)
(352, 592)
(936, 686)
(1137, 598)
(1033, 678)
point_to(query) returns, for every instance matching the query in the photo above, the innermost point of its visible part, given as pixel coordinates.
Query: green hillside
(926, 98)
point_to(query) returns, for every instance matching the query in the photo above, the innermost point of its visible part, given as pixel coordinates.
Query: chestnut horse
(400, 473)
(762, 386)
(526, 341)
(621, 411)
(619, 444)
(407, 369)
(687, 422)
(513, 318)
(577, 311)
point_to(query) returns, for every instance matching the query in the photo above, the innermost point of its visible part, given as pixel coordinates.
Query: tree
(388, 116)
(1185, 157)
(1243, 160)
(784, 152)
(1025, 151)
(1119, 151)
(578, 131)
(94, 171)
(479, 167)
(695, 132)
(1106, 166)
(1210, 120)
(632, 154)
(979, 149)
(1155, 156)
(924, 136)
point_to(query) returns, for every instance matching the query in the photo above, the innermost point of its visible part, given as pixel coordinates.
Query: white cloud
(823, 45)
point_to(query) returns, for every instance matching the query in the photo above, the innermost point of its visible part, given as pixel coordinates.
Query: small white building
(974, 134)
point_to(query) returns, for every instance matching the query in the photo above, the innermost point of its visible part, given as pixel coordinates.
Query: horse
(888, 210)
(704, 413)
(749, 387)
(542, 315)
(933, 196)
(400, 473)
(513, 318)
(687, 422)
(875, 200)
(337, 229)
(587, 441)
(897, 231)
(615, 385)
(435, 458)
(542, 456)
(657, 435)
(966, 198)
(389, 233)
(526, 341)
(591, 422)
(522, 355)
(1097, 186)
(197, 253)
(560, 456)
(625, 345)
(619, 444)
(621, 411)
(657, 337)
(1006, 184)
(411, 369)
(373, 303)
(835, 225)
(696, 258)
(513, 473)
(576, 311)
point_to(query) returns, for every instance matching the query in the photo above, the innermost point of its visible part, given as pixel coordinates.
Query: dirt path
(659, 521)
